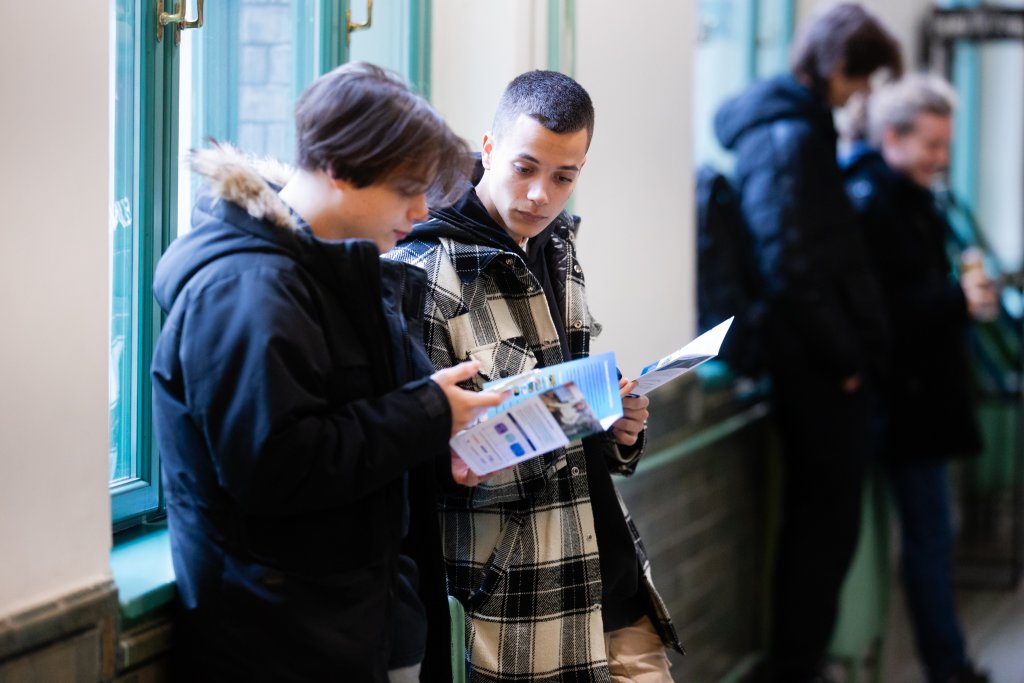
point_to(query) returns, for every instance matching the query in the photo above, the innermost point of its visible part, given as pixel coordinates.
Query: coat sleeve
(256, 369)
(782, 206)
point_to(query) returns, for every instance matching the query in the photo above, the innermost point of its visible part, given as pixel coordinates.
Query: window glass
(240, 76)
(725, 45)
(774, 35)
(385, 43)
(124, 124)
(737, 41)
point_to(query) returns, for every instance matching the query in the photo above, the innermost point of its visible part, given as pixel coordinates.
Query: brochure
(539, 424)
(552, 406)
(597, 377)
(549, 407)
(702, 349)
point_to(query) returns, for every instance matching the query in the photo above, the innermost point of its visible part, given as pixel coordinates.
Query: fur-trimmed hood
(251, 182)
(238, 210)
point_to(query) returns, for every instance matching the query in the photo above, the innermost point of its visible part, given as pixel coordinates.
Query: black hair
(552, 99)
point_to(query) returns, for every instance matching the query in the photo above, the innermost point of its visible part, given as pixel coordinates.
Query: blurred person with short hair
(926, 408)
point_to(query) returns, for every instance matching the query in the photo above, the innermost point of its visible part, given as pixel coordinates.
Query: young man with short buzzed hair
(550, 569)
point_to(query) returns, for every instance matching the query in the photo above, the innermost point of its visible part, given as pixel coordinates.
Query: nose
(418, 211)
(537, 193)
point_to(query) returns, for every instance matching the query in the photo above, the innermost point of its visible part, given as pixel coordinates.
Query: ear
(342, 185)
(890, 138)
(487, 150)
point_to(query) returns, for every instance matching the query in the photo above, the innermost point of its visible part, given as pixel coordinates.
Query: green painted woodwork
(420, 45)
(561, 37)
(333, 35)
(215, 67)
(143, 573)
(141, 177)
(457, 621)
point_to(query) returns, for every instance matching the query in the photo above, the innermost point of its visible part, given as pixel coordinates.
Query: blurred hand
(467, 477)
(981, 295)
(466, 405)
(626, 429)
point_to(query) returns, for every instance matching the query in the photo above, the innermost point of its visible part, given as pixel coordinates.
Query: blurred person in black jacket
(926, 402)
(825, 328)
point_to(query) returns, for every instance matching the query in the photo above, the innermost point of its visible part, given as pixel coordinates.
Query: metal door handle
(352, 26)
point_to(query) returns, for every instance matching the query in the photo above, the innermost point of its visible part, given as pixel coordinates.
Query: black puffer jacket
(928, 396)
(824, 311)
(288, 410)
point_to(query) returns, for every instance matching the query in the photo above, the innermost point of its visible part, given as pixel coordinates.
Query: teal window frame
(149, 147)
(152, 209)
(757, 35)
(966, 80)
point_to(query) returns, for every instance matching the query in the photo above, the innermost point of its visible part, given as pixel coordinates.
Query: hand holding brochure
(555, 405)
(549, 408)
(702, 349)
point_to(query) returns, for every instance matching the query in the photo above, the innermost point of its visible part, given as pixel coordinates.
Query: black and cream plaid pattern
(520, 549)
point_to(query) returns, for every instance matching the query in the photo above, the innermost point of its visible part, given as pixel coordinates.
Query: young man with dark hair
(825, 333)
(290, 401)
(549, 568)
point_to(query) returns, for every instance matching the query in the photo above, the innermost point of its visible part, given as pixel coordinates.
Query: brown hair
(847, 38)
(362, 124)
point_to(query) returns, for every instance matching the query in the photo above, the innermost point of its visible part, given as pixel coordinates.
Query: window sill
(143, 573)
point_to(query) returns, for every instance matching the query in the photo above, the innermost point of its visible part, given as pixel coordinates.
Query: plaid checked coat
(520, 549)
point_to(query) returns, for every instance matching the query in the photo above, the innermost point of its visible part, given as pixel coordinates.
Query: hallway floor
(993, 621)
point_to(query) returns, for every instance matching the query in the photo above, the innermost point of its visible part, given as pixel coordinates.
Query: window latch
(353, 26)
(165, 18)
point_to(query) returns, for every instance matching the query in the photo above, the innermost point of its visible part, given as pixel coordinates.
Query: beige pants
(636, 655)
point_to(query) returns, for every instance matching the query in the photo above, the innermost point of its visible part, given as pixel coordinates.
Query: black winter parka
(824, 312)
(289, 406)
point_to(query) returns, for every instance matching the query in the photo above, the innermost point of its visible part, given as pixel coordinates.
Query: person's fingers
(624, 437)
(629, 424)
(635, 403)
(626, 386)
(635, 413)
(489, 399)
(461, 472)
(456, 373)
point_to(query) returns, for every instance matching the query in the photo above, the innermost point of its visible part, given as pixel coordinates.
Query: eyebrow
(527, 157)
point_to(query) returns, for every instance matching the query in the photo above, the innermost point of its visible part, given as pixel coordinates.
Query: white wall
(1000, 208)
(54, 506)
(477, 47)
(635, 194)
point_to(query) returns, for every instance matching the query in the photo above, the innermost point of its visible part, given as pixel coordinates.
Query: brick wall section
(703, 520)
(266, 74)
